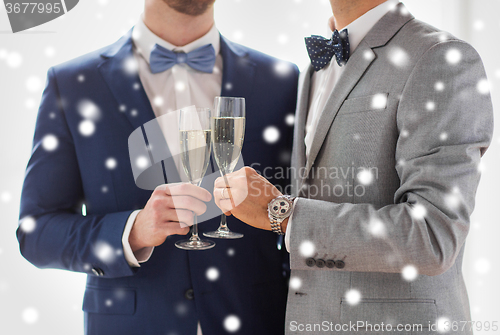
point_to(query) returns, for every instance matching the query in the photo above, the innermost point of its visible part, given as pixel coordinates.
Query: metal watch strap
(276, 227)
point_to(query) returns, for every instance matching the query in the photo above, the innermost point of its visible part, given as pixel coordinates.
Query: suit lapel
(119, 71)
(299, 148)
(237, 70)
(357, 65)
(355, 68)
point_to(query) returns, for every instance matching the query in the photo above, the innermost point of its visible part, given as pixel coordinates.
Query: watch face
(280, 207)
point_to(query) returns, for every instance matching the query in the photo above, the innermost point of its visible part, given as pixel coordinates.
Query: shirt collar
(144, 40)
(360, 27)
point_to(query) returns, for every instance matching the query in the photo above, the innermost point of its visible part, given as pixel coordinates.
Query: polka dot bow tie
(321, 50)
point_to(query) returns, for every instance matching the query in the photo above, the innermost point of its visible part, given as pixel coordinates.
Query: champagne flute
(195, 147)
(228, 132)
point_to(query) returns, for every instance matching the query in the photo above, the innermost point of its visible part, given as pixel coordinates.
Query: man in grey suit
(392, 119)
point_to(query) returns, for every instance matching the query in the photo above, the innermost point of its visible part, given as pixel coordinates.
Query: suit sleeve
(52, 232)
(438, 153)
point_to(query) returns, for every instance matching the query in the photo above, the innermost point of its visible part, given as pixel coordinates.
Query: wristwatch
(278, 210)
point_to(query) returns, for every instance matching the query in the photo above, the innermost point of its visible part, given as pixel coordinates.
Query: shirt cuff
(288, 228)
(141, 255)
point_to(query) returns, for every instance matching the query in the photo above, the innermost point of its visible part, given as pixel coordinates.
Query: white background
(36, 301)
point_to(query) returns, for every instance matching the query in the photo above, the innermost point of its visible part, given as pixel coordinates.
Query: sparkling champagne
(228, 134)
(195, 148)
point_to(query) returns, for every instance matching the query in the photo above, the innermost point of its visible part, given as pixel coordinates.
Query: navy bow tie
(201, 59)
(321, 50)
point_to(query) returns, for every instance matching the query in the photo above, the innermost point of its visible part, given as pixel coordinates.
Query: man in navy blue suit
(138, 281)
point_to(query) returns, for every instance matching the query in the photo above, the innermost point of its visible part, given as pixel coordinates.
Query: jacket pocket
(109, 301)
(365, 104)
(390, 311)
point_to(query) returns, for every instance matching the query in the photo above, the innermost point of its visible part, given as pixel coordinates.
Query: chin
(190, 7)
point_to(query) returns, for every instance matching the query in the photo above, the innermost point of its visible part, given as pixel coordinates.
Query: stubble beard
(190, 7)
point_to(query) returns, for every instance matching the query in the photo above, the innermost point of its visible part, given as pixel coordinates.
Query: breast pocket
(109, 301)
(365, 104)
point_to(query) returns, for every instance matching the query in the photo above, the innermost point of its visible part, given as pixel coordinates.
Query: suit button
(98, 272)
(320, 263)
(330, 263)
(310, 262)
(340, 264)
(189, 294)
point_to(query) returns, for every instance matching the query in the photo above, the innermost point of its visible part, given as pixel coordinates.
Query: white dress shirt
(169, 91)
(323, 81)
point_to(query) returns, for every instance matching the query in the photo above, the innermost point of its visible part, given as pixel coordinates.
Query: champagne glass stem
(228, 188)
(223, 223)
(194, 230)
(223, 229)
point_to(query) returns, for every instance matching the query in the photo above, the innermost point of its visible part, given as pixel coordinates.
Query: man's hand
(246, 196)
(169, 211)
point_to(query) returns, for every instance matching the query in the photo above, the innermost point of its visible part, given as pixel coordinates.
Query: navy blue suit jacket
(169, 293)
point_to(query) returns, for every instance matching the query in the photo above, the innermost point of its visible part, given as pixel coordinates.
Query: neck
(176, 28)
(347, 11)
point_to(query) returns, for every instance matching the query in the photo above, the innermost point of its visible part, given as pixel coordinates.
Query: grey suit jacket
(389, 185)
